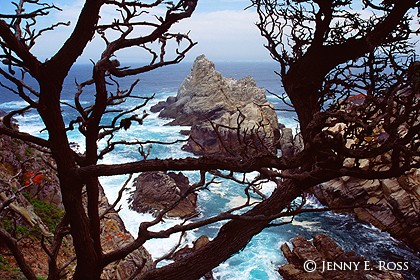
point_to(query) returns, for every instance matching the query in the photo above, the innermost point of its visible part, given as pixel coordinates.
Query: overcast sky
(223, 29)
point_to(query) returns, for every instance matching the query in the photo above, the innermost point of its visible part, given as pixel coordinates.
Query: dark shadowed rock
(155, 191)
(327, 247)
(305, 250)
(185, 132)
(187, 251)
(286, 142)
(163, 104)
(323, 250)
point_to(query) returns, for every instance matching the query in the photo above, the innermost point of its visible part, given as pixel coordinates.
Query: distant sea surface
(261, 258)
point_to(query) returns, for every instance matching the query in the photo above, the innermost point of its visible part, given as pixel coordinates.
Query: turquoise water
(261, 258)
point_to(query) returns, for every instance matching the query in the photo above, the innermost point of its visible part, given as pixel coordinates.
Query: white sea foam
(13, 105)
(132, 219)
(267, 188)
(238, 200)
(308, 225)
(32, 124)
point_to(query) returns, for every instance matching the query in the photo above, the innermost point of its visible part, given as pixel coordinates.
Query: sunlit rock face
(228, 117)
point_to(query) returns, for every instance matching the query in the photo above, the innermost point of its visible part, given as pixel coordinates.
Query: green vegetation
(7, 224)
(6, 268)
(50, 214)
(22, 230)
(29, 151)
(18, 230)
(4, 264)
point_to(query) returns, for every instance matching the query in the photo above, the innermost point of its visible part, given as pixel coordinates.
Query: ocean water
(261, 258)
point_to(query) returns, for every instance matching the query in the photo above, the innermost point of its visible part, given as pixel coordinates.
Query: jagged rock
(243, 121)
(289, 144)
(223, 137)
(393, 204)
(327, 247)
(155, 191)
(305, 250)
(204, 92)
(115, 235)
(324, 251)
(286, 142)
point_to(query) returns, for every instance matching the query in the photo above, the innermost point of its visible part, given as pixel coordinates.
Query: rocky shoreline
(392, 205)
(228, 118)
(322, 258)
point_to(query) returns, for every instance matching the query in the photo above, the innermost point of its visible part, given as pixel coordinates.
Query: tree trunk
(87, 256)
(71, 186)
(303, 82)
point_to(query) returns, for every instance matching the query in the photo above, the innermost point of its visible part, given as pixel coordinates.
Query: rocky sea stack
(155, 191)
(229, 117)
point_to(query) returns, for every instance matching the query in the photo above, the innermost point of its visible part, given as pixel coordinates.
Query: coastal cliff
(391, 204)
(29, 182)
